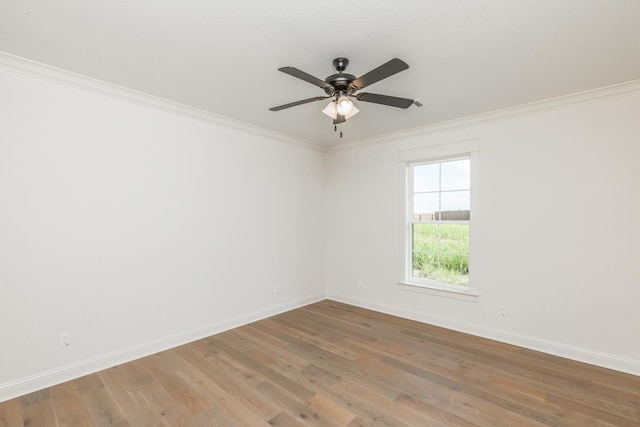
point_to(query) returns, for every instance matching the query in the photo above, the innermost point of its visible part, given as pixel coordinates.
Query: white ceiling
(465, 56)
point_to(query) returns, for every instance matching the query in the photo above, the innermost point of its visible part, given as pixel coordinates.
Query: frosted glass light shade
(330, 110)
(344, 105)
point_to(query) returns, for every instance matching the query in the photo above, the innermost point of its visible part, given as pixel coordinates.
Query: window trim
(436, 154)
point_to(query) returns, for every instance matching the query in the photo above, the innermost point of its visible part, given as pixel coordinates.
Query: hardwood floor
(331, 364)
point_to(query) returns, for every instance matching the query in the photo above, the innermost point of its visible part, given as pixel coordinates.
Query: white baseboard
(593, 357)
(69, 372)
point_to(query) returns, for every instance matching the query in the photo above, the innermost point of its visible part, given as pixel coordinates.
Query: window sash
(411, 221)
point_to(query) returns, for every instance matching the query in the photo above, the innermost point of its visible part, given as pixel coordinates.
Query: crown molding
(59, 76)
(585, 97)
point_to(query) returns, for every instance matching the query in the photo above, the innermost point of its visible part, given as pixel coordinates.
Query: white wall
(559, 232)
(136, 229)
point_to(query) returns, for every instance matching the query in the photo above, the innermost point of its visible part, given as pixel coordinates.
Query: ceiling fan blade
(387, 69)
(392, 101)
(339, 119)
(306, 77)
(293, 104)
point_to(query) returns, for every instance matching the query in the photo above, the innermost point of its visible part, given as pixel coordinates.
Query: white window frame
(436, 154)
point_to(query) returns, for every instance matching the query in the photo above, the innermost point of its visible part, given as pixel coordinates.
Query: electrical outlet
(65, 339)
(276, 290)
(360, 284)
(502, 310)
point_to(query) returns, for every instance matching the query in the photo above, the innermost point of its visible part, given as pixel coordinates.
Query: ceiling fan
(343, 86)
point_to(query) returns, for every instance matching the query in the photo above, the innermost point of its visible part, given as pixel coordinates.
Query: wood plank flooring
(331, 364)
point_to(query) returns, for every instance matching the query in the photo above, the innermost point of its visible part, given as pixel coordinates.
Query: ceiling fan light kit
(332, 111)
(342, 86)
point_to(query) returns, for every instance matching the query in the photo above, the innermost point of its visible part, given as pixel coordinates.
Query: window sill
(438, 291)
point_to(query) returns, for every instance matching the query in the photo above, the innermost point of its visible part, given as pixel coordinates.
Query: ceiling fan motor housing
(340, 81)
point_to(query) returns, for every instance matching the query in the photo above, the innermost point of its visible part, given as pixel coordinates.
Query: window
(438, 222)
